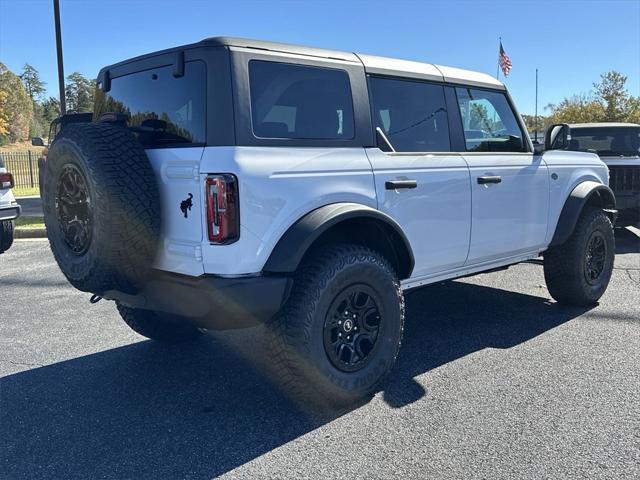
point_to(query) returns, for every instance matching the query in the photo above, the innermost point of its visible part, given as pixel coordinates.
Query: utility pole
(535, 121)
(56, 15)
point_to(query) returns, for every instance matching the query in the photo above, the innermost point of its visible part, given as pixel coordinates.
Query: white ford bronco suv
(617, 145)
(233, 182)
(9, 208)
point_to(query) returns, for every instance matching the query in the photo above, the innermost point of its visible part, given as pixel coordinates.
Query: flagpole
(498, 66)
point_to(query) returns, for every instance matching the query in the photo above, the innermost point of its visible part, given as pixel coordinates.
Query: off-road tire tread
(563, 264)
(126, 203)
(289, 330)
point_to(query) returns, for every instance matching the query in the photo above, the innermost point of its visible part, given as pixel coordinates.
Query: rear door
(509, 185)
(423, 186)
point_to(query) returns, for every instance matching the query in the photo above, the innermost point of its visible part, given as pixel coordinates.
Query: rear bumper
(209, 301)
(10, 212)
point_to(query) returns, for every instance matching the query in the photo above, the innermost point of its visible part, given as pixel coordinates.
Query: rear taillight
(6, 180)
(223, 208)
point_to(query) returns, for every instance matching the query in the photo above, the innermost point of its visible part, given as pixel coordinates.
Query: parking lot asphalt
(494, 380)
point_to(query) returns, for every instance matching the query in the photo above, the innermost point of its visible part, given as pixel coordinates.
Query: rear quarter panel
(278, 186)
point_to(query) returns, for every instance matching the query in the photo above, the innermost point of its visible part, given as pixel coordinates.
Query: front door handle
(396, 184)
(489, 179)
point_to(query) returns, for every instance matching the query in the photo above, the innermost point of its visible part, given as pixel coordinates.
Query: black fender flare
(583, 194)
(296, 241)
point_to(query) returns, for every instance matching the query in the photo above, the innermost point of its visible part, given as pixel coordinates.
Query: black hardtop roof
(246, 43)
(386, 65)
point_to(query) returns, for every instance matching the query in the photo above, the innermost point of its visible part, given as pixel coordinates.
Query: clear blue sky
(570, 42)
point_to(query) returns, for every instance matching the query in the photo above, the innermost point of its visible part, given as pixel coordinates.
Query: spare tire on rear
(101, 207)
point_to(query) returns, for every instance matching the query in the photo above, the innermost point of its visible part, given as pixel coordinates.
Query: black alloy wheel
(352, 327)
(74, 209)
(596, 255)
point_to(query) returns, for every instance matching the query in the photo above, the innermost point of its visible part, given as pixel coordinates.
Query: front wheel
(339, 333)
(578, 271)
(6, 235)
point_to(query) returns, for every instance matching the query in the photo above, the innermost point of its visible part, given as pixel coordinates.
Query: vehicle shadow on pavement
(626, 241)
(197, 411)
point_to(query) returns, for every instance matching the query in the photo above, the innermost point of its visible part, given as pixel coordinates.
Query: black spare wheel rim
(352, 328)
(595, 258)
(74, 209)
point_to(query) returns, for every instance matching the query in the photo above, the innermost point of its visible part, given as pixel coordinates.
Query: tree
(79, 93)
(17, 107)
(613, 96)
(532, 125)
(577, 109)
(32, 83)
(4, 115)
(50, 110)
(609, 102)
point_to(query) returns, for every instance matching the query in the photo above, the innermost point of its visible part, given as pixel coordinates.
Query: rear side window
(300, 101)
(412, 114)
(163, 110)
(489, 122)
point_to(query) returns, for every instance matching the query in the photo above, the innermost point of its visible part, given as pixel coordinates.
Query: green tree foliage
(79, 93)
(34, 86)
(609, 102)
(532, 126)
(50, 110)
(17, 107)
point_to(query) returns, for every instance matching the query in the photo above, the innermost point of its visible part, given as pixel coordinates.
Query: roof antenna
(56, 16)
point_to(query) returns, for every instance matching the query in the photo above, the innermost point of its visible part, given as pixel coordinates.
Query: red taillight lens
(6, 180)
(223, 208)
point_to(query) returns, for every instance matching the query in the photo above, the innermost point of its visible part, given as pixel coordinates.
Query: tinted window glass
(297, 101)
(613, 141)
(163, 110)
(489, 122)
(412, 114)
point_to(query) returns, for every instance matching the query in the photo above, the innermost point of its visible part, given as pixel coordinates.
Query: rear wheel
(158, 326)
(578, 271)
(339, 333)
(6, 235)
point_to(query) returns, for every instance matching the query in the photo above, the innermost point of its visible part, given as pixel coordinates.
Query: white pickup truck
(235, 182)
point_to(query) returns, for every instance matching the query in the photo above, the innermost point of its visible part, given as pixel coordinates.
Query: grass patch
(30, 222)
(25, 191)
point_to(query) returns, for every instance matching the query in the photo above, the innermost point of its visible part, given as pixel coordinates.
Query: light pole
(56, 15)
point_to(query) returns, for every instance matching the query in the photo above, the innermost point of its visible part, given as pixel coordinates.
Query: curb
(30, 233)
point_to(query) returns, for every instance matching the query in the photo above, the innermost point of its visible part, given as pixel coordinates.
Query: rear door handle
(489, 179)
(396, 184)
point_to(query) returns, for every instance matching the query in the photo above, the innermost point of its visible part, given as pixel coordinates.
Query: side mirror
(37, 142)
(557, 137)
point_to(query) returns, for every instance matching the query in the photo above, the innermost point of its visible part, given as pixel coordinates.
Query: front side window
(300, 101)
(609, 141)
(412, 114)
(162, 110)
(489, 122)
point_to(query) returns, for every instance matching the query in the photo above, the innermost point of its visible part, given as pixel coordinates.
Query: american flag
(504, 61)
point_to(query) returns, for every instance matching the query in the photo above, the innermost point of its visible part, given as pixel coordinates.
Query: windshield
(606, 141)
